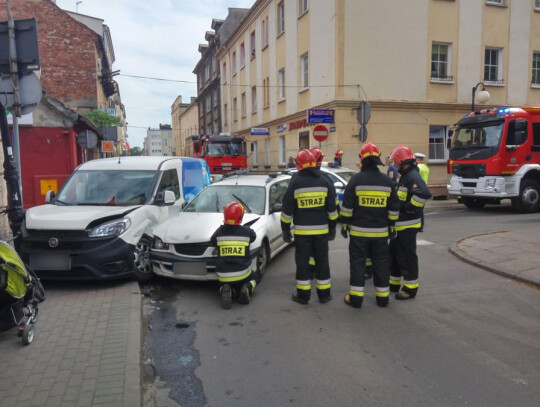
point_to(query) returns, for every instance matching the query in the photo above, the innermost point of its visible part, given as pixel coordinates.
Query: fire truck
(494, 154)
(223, 153)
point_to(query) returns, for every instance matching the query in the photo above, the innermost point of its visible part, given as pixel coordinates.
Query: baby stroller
(20, 293)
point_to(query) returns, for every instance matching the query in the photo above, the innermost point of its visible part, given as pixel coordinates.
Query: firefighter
(338, 155)
(310, 203)
(413, 194)
(233, 264)
(369, 211)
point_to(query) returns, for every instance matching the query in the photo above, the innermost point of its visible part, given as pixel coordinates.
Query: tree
(101, 119)
(135, 151)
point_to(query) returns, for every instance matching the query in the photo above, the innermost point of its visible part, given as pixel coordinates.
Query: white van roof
(126, 163)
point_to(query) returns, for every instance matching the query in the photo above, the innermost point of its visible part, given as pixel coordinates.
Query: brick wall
(68, 52)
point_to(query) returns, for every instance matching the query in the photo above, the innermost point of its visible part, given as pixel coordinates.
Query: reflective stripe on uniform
(394, 280)
(233, 276)
(323, 284)
(356, 290)
(285, 218)
(332, 215)
(310, 229)
(382, 291)
(374, 189)
(346, 212)
(393, 215)
(303, 285)
(417, 201)
(408, 224)
(368, 232)
(402, 193)
(410, 284)
(311, 261)
(313, 191)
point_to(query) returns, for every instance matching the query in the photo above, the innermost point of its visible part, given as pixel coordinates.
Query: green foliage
(101, 119)
(135, 151)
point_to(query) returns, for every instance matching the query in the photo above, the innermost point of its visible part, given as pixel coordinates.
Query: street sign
(364, 112)
(320, 132)
(87, 139)
(107, 146)
(29, 92)
(363, 133)
(26, 44)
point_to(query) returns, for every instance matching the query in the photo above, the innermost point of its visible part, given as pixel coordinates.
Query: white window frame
(242, 55)
(304, 70)
(267, 152)
(252, 44)
(281, 18)
(495, 2)
(281, 81)
(233, 63)
(448, 77)
(253, 99)
(264, 33)
(303, 7)
(282, 150)
(437, 140)
(255, 154)
(498, 65)
(235, 109)
(537, 5)
(224, 72)
(244, 105)
(535, 81)
(225, 115)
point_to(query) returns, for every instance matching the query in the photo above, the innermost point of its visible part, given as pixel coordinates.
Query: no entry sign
(320, 132)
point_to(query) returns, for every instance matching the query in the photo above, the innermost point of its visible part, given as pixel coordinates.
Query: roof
(128, 163)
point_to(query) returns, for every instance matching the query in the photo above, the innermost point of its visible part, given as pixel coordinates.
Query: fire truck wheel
(473, 203)
(529, 197)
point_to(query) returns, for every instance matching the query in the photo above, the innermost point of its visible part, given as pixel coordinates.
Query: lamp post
(483, 95)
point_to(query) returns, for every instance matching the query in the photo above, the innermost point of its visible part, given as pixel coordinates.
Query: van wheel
(262, 258)
(529, 197)
(142, 267)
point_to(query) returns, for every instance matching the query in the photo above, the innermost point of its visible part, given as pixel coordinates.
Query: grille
(469, 170)
(191, 249)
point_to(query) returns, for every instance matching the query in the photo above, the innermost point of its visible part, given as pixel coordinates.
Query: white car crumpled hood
(193, 227)
(70, 217)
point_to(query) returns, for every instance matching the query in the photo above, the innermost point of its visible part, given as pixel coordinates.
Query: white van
(99, 225)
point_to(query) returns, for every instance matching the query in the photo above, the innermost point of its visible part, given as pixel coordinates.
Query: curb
(133, 377)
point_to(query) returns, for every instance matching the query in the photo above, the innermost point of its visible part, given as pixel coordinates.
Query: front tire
(262, 258)
(28, 334)
(528, 200)
(142, 267)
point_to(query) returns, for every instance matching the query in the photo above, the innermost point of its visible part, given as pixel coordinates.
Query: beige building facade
(416, 62)
(185, 121)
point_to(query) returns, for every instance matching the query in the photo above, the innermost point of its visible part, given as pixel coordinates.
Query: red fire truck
(494, 155)
(223, 153)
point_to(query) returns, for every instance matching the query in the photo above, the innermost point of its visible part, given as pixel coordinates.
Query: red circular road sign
(320, 132)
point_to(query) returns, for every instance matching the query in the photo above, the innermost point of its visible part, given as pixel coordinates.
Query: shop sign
(332, 129)
(298, 124)
(260, 131)
(321, 115)
(280, 128)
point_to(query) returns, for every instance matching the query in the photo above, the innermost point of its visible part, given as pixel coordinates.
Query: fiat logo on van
(53, 242)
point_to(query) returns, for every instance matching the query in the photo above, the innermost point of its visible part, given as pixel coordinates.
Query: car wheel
(262, 258)
(142, 267)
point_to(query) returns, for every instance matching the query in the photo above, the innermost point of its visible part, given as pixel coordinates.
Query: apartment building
(184, 123)
(416, 62)
(152, 142)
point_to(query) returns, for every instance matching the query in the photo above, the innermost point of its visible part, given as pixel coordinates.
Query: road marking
(422, 242)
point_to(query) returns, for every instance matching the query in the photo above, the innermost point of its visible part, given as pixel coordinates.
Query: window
(206, 72)
(214, 64)
(536, 69)
(437, 143)
(264, 34)
(495, 2)
(266, 92)
(281, 80)
(233, 63)
(302, 6)
(255, 154)
(281, 18)
(267, 152)
(253, 99)
(224, 72)
(242, 55)
(536, 136)
(304, 70)
(225, 114)
(440, 62)
(235, 109)
(537, 4)
(208, 102)
(215, 98)
(252, 44)
(169, 182)
(493, 65)
(282, 150)
(244, 104)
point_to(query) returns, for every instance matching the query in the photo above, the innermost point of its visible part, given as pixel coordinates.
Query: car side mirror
(165, 198)
(49, 196)
(276, 208)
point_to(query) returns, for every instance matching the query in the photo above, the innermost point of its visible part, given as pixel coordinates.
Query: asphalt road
(469, 338)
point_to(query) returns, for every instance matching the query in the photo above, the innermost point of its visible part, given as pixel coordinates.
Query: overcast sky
(157, 39)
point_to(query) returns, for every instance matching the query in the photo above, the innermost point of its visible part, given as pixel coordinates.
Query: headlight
(159, 244)
(490, 183)
(112, 228)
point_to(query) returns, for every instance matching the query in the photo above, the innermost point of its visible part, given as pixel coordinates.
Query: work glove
(287, 236)
(344, 230)
(392, 232)
(332, 234)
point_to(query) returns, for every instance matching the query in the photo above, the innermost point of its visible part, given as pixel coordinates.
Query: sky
(155, 40)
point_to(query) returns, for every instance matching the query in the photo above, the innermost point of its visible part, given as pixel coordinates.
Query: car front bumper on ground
(183, 267)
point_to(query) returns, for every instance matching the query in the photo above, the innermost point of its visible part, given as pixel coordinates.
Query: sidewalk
(514, 254)
(86, 349)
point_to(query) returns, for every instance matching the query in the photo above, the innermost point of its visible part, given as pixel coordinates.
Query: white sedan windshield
(216, 197)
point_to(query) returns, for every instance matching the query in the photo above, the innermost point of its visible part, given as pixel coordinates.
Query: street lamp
(483, 96)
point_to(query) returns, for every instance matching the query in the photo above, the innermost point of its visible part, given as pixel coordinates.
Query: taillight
(449, 166)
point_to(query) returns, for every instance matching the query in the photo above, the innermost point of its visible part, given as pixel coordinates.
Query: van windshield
(116, 188)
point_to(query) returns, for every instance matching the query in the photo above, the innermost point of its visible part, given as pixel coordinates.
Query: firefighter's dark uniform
(233, 264)
(310, 202)
(413, 193)
(370, 206)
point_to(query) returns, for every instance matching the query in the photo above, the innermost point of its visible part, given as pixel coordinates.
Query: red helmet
(370, 150)
(338, 153)
(234, 213)
(304, 159)
(401, 154)
(318, 155)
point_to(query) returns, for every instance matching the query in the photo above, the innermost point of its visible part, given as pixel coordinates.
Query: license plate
(467, 191)
(50, 262)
